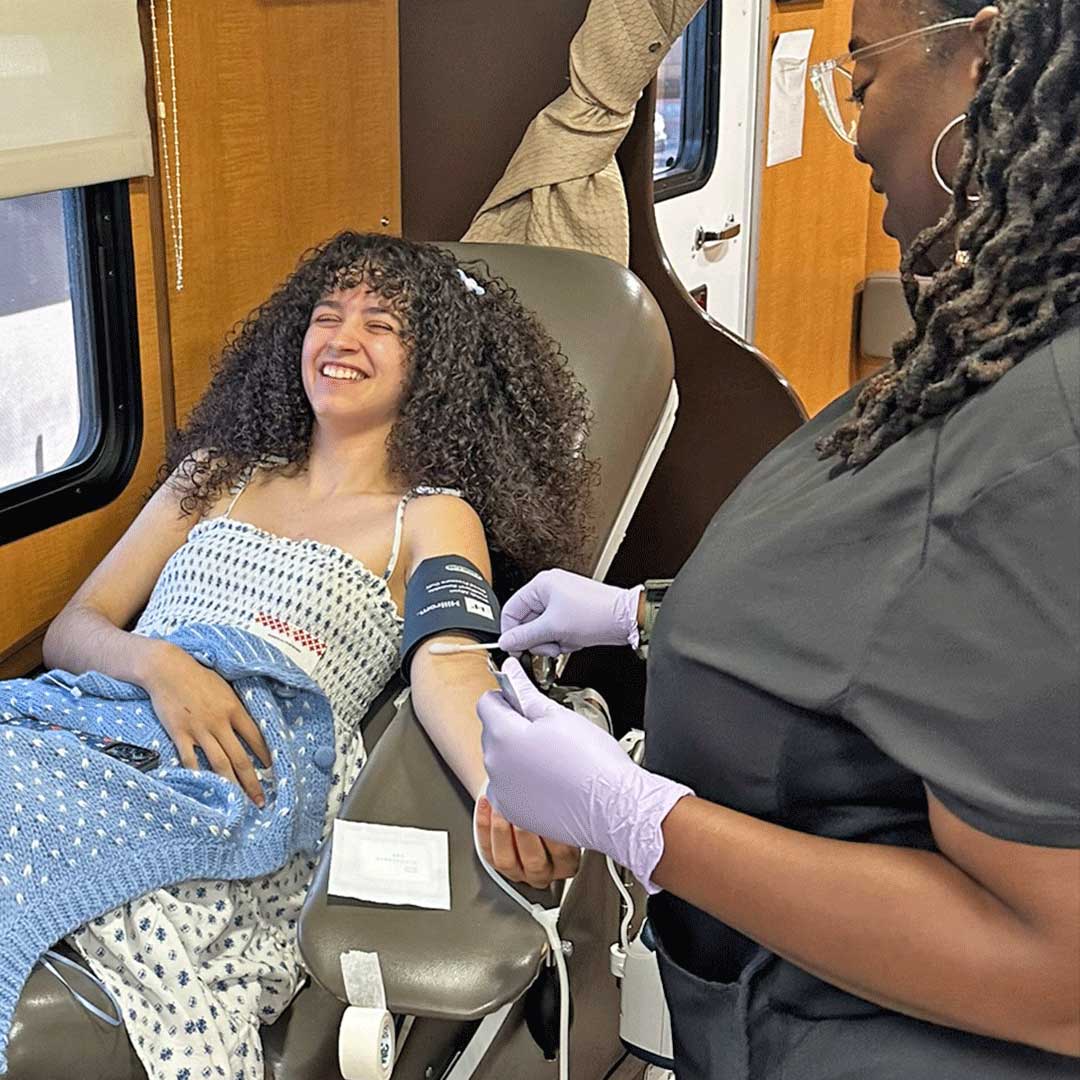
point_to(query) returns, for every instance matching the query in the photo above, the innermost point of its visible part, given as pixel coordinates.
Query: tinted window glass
(47, 389)
(687, 106)
(70, 386)
(668, 122)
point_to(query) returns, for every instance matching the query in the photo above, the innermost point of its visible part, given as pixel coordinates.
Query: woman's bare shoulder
(444, 524)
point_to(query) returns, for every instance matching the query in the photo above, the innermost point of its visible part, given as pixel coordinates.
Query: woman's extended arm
(983, 936)
(445, 690)
(196, 706)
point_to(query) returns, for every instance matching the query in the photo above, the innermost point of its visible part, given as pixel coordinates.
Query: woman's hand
(199, 710)
(557, 774)
(559, 612)
(522, 856)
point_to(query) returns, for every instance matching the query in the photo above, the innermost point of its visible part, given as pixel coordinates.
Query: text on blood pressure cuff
(447, 595)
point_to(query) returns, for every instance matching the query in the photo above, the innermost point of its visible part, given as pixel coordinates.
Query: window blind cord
(173, 191)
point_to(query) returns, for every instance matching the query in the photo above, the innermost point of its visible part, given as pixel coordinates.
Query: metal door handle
(704, 236)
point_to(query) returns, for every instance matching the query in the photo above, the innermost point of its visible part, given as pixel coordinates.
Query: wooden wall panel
(39, 572)
(813, 235)
(288, 116)
(289, 133)
(473, 76)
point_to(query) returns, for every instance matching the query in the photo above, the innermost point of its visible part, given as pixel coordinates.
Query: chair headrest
(615, 337)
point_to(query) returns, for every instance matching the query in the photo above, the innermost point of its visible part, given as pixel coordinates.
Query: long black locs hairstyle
(1018, 264)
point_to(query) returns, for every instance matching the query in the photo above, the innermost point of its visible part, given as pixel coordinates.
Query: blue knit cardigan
(81, 833)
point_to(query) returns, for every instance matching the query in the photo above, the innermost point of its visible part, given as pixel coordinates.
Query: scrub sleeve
(840, 642)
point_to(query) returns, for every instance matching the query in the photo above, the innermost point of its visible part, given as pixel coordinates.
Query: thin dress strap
(241, 485)
(399, 523)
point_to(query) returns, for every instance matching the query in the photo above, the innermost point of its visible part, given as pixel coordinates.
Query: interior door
(707, 231)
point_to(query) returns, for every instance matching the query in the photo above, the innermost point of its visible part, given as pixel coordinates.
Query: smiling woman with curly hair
(489, 407)
(381, 408)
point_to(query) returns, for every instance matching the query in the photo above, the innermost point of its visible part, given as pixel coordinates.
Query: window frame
(109, 349)
(701, 111)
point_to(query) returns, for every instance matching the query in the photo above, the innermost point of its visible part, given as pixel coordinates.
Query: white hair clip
(471, 284)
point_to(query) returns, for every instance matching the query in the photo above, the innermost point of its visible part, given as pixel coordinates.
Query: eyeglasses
(833, 80)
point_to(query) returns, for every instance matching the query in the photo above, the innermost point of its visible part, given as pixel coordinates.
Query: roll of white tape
(366, 1044)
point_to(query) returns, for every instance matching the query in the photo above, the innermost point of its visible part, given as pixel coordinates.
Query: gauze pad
(390, 864)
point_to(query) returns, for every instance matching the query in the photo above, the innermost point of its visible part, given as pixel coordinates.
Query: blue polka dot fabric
(81, 833)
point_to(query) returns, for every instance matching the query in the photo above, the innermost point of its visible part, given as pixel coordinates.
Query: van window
(687, 107)
(48, 394)
(69, 386)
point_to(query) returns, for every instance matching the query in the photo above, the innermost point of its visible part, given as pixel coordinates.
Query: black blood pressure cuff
(445, 595)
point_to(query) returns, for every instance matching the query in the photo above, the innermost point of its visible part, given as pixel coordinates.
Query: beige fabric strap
(239, 490)
(562, 187)
(399, 521)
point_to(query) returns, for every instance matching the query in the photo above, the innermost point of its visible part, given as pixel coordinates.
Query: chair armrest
(453, 965)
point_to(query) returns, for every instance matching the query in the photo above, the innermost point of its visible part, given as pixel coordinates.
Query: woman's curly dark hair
(490, 406)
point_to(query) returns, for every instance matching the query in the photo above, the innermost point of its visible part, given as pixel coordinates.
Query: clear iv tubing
(628, 903)
(631, 742)
(548, 918)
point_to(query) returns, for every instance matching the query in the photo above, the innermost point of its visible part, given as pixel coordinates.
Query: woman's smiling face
(354, 362)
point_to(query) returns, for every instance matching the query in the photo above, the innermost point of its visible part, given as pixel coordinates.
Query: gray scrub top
(841, 638)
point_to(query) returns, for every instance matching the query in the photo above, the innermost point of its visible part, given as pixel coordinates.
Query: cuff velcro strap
(447, 595)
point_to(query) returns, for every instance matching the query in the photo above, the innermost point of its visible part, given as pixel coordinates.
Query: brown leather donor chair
(473, 989)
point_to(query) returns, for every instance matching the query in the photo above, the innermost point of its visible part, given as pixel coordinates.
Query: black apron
(826, 615)
(736, 1031)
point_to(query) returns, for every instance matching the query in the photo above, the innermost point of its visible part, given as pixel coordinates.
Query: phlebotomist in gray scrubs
(859, 813)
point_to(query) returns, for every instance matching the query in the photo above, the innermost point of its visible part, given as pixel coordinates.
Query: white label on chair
(390, 864)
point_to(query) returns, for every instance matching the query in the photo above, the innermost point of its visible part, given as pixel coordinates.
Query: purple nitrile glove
(558, 775)
(558, 612)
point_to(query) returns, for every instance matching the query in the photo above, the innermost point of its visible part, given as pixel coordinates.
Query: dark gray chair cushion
(459, 964)
(54, 1038)
(616, 339)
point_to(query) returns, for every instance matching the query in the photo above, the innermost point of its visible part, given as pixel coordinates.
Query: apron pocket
(708, 1020)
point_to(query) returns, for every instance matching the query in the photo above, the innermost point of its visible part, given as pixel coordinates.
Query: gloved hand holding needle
(552, 771)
